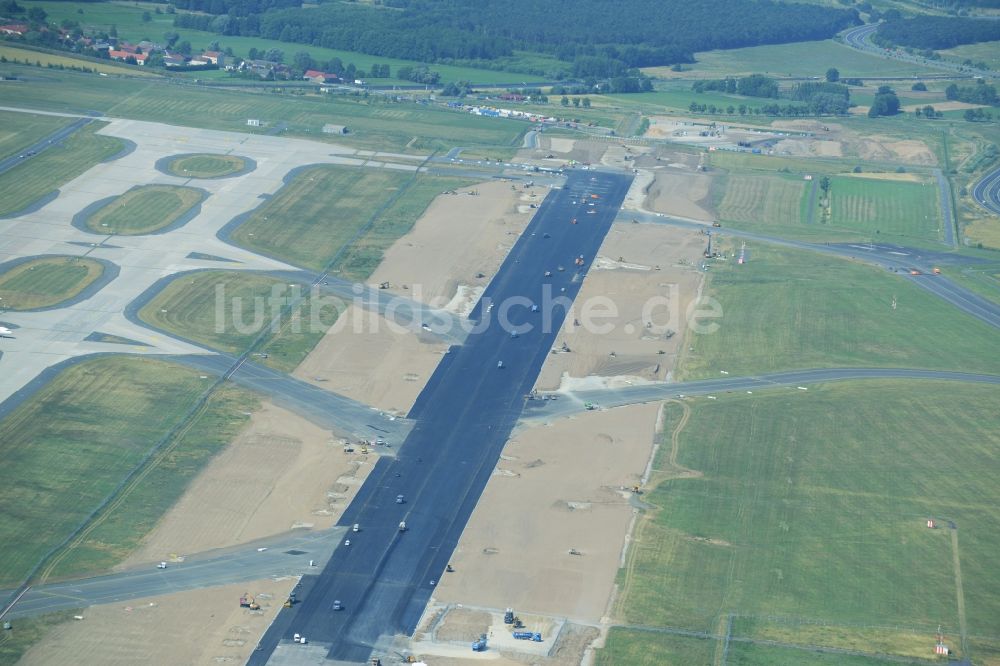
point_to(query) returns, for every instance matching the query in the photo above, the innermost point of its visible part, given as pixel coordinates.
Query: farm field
(29, 631)
(761, 200)
(375, 122)
(46, 281)
(207, 166)
(809, 525)
(787, 309)
(72, 443)
(20, 130)
(189, 306)
(877, 207)
(318, 212)
(145, 209)
(43, 174)
(119, 529)
(127, 18)
(68, 61)
(798, 59)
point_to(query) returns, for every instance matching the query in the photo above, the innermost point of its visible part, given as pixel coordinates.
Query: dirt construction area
(280, 473)
(632, 308)
(546, 537)
(459, 237)
(199, 627)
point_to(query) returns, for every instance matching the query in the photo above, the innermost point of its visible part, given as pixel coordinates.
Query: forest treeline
(936, 32)
(600, 38)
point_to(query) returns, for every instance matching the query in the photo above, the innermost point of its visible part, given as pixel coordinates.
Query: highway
(283, 555)
(895, 258)
(463, 418)
(987, 192)
(543, 407)
(859, 38)
(42, 144)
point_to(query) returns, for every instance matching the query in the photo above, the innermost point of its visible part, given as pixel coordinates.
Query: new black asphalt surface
(542, 407)
(463, 418)
(987, 192)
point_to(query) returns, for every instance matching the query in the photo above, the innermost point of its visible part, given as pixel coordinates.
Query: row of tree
(975, 94)
(936, 32)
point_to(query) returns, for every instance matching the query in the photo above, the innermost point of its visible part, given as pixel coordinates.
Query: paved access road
(987, 192)
(896, 258)
(47, 142)
(463, 419)
(284, 555)
(575, 401)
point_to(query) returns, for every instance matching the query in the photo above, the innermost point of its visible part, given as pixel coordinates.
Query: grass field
(318, 212)
(15, 54)
(224, 310)
(761, 200)
(988, 52)
(13, 644)
(724, 159)
(375, 122)
(206, 166)
(128, 20)
(48, 171)
(145, 209)
(364, 255)
(805, 514)
(788, 309)
(69, 446)
(20, 130)
(43, 282)
(876, 207)
(798, 59)
(119, 530)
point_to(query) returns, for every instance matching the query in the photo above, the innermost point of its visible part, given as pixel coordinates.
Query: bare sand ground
(369, 359)
(649, 276)
(280, 473)
(459, 237)
(833, 140)
(541, 503)
(944, 106)
(683, 194)
(198, 627)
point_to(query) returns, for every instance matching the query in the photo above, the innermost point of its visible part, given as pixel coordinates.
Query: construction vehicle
(383, 285)
(161, 565)
(508, 616)
(637, 490)
(716, 224)
(528, 636)
(480, 645)
(589, 406)
(247, 601)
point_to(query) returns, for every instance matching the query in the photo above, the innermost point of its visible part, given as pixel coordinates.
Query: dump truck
(247, 601)
(479, 645)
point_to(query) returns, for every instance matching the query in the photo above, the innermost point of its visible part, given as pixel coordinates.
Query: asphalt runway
(462, 418)
(987, 192)
(545, 408)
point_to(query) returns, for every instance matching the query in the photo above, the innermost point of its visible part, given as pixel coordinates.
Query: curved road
(987, 192)
(859, 38)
